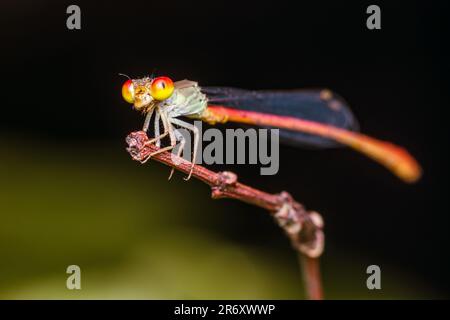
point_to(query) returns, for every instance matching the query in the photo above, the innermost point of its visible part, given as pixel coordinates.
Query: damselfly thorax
(186, 100)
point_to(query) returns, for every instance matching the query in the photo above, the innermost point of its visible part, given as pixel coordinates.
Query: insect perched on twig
(317, 118)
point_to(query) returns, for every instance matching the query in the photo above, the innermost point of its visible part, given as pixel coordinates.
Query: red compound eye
(161, 88)
(128, 91)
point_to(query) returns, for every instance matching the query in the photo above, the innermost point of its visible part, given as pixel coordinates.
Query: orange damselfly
(318, 118)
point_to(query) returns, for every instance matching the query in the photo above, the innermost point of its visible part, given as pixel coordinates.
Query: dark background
(62, 87)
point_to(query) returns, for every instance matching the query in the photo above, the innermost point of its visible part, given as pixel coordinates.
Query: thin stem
(311, 276)
(304, 228)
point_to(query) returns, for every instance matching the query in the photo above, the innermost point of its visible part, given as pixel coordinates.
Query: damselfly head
(137, 92)
(142, 92)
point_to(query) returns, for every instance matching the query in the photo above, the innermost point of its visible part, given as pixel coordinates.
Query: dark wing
(321, 106)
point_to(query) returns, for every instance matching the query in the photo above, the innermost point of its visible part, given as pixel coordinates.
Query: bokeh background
(70, 194)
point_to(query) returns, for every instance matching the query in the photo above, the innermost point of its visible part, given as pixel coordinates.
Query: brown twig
(304, 228)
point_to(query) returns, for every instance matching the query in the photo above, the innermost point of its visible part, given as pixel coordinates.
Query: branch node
(225, 181)
(304, 228)
(136, 142)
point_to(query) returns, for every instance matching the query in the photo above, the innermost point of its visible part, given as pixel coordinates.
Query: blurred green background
(136, 235)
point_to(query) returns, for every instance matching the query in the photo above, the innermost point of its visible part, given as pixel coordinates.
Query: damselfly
(318, 118)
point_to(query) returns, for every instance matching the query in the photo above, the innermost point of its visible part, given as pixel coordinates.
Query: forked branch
(304, 228)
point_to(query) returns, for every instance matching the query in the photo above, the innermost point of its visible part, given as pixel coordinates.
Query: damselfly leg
(147, 119)
(196, 133)
(168, 130)
(180, 150)
(157, 119)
